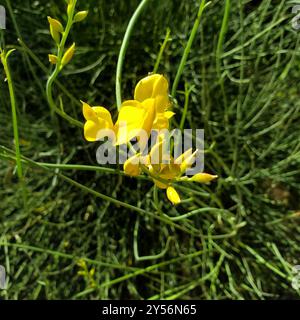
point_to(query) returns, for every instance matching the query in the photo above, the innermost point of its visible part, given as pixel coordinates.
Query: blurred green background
(67, 244)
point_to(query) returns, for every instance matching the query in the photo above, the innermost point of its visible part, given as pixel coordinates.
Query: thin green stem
(219, 52)
(161, 51)
(156, 200)
(123, 50)
(194, 212)
(4, 57)
(187, 93)
(187, 49)
(136, 250)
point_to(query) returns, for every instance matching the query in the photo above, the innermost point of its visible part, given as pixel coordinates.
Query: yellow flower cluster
(164, 170)
(148, 111)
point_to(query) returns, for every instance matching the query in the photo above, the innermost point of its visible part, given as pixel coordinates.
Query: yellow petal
(173, 196)
(188, 161)
(132, 103)
(169, 114)
(184, 156)
(96, 130)
(131, 166)
(91, 129)
(161, 87)
(88, 112)
(162, 117)
(134, 118)
(160, 122)
(160, 94)
(156, 153)
(162, 103)
(130, 121)
(144, 88)
(203, 177)
(104, 114)
(148, 104)
(97, 113)
(99, 123)
(155, 86)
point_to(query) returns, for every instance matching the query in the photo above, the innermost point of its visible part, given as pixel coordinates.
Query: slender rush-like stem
(187, 92)
(136, 249)
(187, 49)
(161, 51)
(219, 52)
(123, 50)
(4, 57)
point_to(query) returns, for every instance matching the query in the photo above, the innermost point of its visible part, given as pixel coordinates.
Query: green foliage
(241, 238)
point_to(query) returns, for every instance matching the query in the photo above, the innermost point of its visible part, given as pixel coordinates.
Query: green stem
(123, 50)
(161, 51)
(219, 52)
(156, 200)
(187, 49)
(223, 31)
(4, 58)
(187, 92)
(147, 257)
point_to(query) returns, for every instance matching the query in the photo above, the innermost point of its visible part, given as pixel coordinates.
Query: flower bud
(55, 35)
(81, 15)
(173, 196)
(203, 177)
(52, 58)
(56, 25)
(68, 55)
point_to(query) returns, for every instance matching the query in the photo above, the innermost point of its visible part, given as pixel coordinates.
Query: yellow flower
(99, 122)
(136, 117)
(156, 87)
(161, 165)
